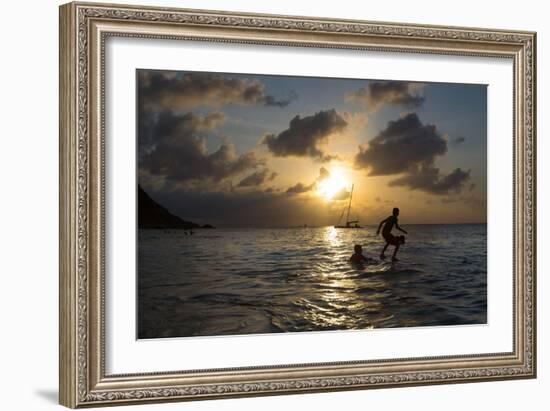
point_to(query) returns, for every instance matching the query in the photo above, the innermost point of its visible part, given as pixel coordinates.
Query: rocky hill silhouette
(152, 215)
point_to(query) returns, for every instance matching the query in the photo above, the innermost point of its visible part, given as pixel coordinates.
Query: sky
(247, 150)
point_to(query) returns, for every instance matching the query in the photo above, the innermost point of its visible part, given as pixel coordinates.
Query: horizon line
(330, 225)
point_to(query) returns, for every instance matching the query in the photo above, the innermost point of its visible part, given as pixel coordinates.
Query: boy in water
(357, 256)
(388, 236)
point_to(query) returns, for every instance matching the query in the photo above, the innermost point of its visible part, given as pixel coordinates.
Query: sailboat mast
(349, 205)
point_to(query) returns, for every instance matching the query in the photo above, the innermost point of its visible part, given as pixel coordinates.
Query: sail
(348, 221)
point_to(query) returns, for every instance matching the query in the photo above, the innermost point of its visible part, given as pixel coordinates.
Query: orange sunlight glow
(332, 185)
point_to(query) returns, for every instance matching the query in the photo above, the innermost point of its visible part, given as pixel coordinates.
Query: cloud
(304, 135)
(323, 173)
(169, 123)
(430, 180)
(343, 194)
(378, 93)
(178, 151)
(257, 178)
(403, 144)
(153, 127)
(159, 90)
(272, 101)
(409, 147)
(299, 188)
(458, 140)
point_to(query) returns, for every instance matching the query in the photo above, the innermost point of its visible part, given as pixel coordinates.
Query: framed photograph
(259, 204)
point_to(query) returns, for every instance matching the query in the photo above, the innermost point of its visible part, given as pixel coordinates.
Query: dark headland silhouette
(152, 215)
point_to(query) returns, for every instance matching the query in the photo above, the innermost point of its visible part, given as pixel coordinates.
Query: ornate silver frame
(84, 28)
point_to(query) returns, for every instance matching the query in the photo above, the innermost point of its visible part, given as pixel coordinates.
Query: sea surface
(255, 281)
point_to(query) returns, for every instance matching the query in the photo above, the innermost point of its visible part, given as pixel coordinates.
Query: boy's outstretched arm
(400, 229)
(380, 225)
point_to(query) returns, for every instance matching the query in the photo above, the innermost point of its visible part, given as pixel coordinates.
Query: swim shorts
(390, 238)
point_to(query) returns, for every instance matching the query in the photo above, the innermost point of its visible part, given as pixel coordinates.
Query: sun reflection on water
(343, 297)
(333, 238)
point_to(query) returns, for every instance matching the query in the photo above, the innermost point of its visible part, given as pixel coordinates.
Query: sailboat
(349, 223)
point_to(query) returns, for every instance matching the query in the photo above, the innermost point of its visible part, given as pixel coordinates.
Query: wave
(251, 281)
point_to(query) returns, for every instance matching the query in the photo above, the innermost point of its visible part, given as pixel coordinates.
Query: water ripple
(243, 281)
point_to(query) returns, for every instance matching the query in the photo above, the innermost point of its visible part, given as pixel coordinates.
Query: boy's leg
(384, 250)
(395, 251)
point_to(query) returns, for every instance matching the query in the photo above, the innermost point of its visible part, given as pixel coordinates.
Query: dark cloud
(170, 124)
(403, 144)
(159, 90)
(272, 101)
(300, 188)
(430, 180)
(378, 93)
(153, 127)
(257, 178)
(178, 151)
(303, 188)
(304, 135)
(409, 147)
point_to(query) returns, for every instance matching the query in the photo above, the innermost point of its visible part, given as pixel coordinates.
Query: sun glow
(332, 185)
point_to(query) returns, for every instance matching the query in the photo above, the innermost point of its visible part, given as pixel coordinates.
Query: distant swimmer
(357, 256)
(388, 236)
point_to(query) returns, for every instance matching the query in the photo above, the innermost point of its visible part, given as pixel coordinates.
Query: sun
(332, 185)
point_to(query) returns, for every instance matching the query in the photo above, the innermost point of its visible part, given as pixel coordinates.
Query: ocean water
(251, 281)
